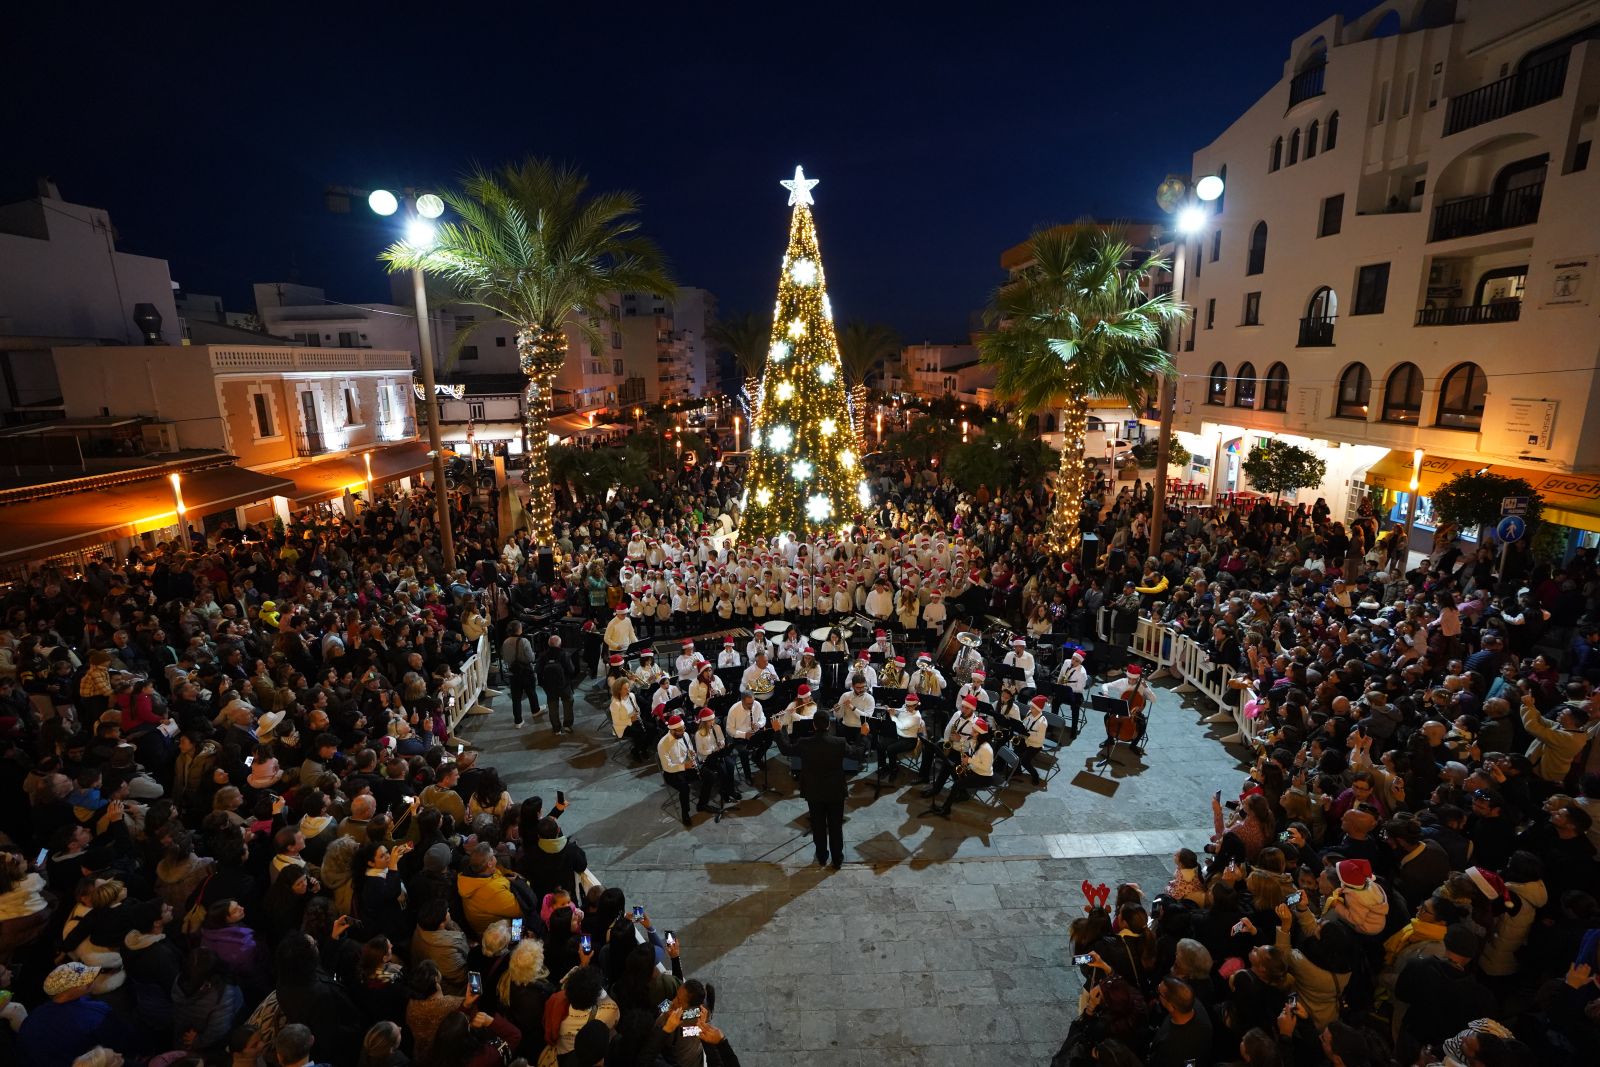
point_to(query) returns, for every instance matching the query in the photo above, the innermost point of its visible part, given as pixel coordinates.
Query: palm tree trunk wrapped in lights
(748, 337)
(533, 245)
(1078, 322)
(862, 346)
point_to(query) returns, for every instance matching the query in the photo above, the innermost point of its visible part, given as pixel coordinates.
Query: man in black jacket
(823, 782)
(557, 675)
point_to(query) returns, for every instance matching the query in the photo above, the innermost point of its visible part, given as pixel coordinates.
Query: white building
(1406, 256)
(931, 371)
(63, 282)
(664, 351)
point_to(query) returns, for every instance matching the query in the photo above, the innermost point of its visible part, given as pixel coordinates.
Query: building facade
(1406, 256)
(929, 371)
(63, 282)
(665, 355)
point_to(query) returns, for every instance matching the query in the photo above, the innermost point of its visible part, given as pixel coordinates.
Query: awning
(1569, 499)
(572, 423)
(37, 529)
(330, 478)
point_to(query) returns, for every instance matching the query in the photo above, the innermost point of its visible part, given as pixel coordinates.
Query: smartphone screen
(587, 944)
(671, 940)
(39, 860)
(638, 911)
(561, 796)
(1083, 959)
(516, 929)
(248, 760)
(1293, 900)
(475, 983)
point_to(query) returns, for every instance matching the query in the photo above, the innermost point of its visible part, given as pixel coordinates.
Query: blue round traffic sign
(1511, 528)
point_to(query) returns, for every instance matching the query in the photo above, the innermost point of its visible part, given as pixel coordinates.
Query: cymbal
(971, 640)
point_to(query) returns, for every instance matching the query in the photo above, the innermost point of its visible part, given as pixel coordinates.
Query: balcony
(1522, 90)
(1471, 314)
(1316, 331)
(1482, 214)
(398, 430)
(312, 444)
(1307, 84)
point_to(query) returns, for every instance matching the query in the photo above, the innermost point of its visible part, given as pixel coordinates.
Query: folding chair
(1006, 762)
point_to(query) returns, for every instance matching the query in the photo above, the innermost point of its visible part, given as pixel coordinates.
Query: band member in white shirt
(881, 645)
(648, 673)
(747, 729)
(974, 688)
(1020, 658)
(678, 764)
(757, 644)
(665, 693)
(863, 668)
(704, 688)
(809, 670)
(802, 707)
(619, 635)
(716, 759)
(626, 720)
(926, 680)
(759, 678)
(1075, 677)
(894, 674)
(685, 665)
(957, 740)
(854, 706)
(908, 727)
(976, 770)
(729, 656)
(934, 612)
(1034, 728)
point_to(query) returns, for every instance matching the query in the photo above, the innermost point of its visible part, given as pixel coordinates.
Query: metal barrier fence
(1186, 659)
(469, 685)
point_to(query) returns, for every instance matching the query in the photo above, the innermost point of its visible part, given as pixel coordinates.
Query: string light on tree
(863, 494)
(802, 475)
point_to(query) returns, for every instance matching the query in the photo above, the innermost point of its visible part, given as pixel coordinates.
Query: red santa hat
(879, 633)
(689, 645)
(615, 659)
(1134, 670)
(900, 660)
(912, 698)
(727, 642)
(1491, 885)
(979, 672)
(925, 658)
(981, 725)
(676, 720)
(1353, 874)
(969, 701)
(706, 714)
(620, 610)
(804, 690)
(1041, 701)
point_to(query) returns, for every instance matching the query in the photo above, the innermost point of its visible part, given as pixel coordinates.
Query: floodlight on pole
(1191, 220)
(419, 233)
(1208, 188)
(383, 202)
(430, 206)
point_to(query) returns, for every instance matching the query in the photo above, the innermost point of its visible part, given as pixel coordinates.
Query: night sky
(942, 134)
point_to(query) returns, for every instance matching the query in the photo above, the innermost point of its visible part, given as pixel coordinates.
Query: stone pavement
(941, 941)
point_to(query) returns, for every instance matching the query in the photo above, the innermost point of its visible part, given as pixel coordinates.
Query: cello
(1128, 726)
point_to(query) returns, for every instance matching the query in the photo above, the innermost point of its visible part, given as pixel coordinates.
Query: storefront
(1570, 500)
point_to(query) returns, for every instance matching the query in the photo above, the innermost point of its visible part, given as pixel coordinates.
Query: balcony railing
(1306, 84)
(1518, 206)
(1524, 89)
(1316, 331)
(1471, 314)
(312, 444)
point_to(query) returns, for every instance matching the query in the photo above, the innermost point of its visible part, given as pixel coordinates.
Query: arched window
(1316, 329)
(1257, 261)
(1355, 387)
(1402, 394)
(1222, 172)
(1275, 389)
(1294, 148)
(1050, 422)
(1461, 398)
(1244, 386)
(1313, 131)
(1331, 138)
(1277, 155)
(1217, 385)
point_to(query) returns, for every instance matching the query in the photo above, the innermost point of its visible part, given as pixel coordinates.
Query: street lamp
(736, 422)
(366, 458)
(1411, 504)
(420, 233)
(1187, 202)
(177, 498)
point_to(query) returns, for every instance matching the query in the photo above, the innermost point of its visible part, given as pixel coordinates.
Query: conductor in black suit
(823, 781)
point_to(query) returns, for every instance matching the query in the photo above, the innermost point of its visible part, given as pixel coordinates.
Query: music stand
(730, 677)
(832, 664)
(1109, 706)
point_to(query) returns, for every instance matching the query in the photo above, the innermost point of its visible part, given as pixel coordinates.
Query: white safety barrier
(469, 685)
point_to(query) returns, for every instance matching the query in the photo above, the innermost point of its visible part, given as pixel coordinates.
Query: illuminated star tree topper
(804, 473)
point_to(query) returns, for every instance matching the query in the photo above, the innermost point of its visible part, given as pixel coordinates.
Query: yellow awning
(1569, 499)
(328, 479)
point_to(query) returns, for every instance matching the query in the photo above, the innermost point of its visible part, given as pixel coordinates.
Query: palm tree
(748, 337)
(862, 346)
(1078, 321)
(536, 247)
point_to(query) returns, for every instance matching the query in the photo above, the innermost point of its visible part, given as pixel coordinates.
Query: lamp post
(1411, 503)
(366, 458)
(1188, 202)
(736, 433)
(177, 499)
(420, 211)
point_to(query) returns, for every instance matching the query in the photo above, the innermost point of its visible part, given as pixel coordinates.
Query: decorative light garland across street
(802, 470)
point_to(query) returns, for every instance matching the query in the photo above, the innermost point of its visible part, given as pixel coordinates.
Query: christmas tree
(804, 472)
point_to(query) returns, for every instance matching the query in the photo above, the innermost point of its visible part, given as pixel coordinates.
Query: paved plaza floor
(940, 941)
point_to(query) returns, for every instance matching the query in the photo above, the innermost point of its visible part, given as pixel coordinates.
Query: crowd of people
(241, 827)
